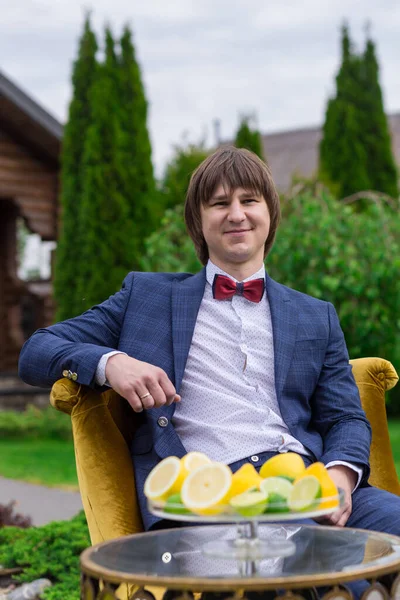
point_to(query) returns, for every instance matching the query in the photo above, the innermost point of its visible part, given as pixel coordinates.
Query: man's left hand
(345, 479)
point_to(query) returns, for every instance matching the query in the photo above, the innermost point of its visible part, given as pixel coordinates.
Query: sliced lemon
(328, 487)
(278, 490)
(165, 479)
(193, 460)
(205, 491)
(286, 464)
(250, 504)
(305, 494)
(245, 478)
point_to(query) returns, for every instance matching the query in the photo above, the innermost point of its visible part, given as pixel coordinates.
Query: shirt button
(162, 421)
(254, 458)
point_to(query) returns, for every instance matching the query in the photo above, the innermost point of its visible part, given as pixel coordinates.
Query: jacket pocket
(142, 441)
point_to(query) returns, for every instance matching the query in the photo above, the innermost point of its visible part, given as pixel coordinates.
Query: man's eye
(248, 200)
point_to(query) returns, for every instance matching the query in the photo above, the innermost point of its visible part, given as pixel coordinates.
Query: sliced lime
(278, 490)
(175, 506)
(249, 504)
(305, 494)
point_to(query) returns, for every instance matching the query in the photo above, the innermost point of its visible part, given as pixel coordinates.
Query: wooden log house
(30, 143)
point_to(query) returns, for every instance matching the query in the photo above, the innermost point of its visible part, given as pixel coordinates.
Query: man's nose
(236, 212)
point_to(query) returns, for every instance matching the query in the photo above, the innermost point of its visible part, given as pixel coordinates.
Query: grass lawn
(50, 462)
(394, 432)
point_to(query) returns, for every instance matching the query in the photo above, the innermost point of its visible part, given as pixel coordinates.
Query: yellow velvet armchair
(103, 425)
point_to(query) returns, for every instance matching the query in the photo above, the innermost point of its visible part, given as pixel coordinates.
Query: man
(226, 361)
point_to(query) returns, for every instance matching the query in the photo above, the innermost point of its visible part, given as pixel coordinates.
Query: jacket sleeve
(336, 406)
(77, 344)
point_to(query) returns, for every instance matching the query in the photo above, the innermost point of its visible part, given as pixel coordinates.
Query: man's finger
(167, 386)
(134, 401)
(157, 393)
(147, 400)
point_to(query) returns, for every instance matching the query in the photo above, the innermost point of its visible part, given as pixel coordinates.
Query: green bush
(50, 551)
(330, 251)
(35, 423)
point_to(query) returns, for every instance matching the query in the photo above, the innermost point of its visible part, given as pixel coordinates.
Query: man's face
(235, 227)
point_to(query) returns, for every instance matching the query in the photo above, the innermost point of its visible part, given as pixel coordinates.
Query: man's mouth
(237, 231)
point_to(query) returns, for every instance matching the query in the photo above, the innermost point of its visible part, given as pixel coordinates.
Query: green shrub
(35, 423)
(50, 551)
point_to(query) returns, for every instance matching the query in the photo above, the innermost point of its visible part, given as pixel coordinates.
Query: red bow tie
(224, 287)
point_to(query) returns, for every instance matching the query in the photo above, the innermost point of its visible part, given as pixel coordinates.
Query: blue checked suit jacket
(152, 319)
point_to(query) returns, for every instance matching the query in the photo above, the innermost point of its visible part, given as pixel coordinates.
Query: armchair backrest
(103, 425)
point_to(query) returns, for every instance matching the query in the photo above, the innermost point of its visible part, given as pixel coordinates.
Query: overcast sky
(205, 59)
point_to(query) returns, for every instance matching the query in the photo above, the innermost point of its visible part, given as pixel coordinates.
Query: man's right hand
(143, 385)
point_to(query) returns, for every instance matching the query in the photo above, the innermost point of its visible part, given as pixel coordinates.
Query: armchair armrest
(374, 376)
(102, 426)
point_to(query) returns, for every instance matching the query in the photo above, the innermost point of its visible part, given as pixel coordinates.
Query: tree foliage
(249, 138)
(355, 150)
(178, 172)
(114, 206)
(380, 161)
(108, 248)
(75, 131)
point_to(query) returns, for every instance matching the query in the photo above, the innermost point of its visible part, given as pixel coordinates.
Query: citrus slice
(174, 505)
(250, 503)
(164, 480)
(305, 494)
(286, 464)
(205, 491)
(328, 487)
(278, 490)
(245, 478)
(193, 460)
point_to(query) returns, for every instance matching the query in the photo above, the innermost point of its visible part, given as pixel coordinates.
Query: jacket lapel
(284, 326)
(186, 299)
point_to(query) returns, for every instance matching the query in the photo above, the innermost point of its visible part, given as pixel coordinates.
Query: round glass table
(174, 559)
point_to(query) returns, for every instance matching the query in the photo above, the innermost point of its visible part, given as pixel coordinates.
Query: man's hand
(143, 385)
(346, 479)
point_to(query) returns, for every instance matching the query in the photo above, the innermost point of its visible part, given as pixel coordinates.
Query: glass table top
(321, 555)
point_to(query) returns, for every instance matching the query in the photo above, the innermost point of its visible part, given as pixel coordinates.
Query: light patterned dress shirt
(229, 408)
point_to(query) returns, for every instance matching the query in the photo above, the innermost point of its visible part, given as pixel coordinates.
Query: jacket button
(74, 376)
(254, 458)
(65, 373)
(162, 421)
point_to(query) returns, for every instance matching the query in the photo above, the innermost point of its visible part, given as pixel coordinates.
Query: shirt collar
(212, 270)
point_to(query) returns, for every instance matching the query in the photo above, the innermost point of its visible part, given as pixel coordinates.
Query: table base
(383, 588)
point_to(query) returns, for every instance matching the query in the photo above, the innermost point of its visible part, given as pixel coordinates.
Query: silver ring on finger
(145, 396)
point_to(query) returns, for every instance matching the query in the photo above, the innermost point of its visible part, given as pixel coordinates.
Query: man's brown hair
(233, 168)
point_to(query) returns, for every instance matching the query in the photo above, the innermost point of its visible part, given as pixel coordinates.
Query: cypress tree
(134, 149)
(355, 150)
(249, 138)
(80, 115)
(380, 162)
(107, 252)
(342, 153)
